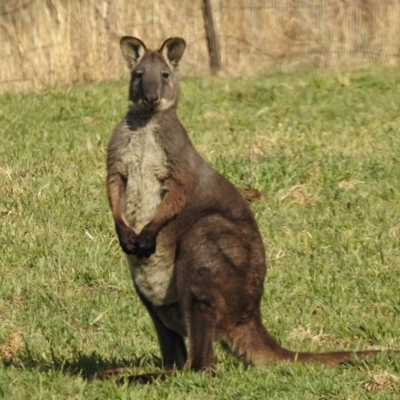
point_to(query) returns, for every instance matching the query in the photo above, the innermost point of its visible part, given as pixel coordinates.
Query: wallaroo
(194, 248)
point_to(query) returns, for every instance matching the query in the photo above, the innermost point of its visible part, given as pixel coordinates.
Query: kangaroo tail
(334, 358)
(253, 343)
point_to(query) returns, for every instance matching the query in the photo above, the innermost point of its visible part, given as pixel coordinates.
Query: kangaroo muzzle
(151, 101)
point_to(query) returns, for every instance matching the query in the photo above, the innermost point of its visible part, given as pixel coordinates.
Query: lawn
(323, 148)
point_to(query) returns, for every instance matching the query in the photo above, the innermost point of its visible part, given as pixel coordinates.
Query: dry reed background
(66, 42)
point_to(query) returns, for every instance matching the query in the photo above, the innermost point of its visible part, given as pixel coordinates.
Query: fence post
(212, 42)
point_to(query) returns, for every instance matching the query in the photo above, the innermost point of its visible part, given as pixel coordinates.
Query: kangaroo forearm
(116, 185)
(172, 204)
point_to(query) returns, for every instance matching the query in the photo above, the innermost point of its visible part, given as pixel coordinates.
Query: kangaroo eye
(138, 75)
(165, 75)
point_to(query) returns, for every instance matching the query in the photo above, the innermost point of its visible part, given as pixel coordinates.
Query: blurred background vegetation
(67, 42)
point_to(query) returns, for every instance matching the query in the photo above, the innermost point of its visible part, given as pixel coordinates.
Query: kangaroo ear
(172, 50)
(133, 49)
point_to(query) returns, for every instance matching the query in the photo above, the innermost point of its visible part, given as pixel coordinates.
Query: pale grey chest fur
(145, 164)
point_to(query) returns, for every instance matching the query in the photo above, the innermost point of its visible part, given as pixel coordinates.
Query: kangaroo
(195, 252)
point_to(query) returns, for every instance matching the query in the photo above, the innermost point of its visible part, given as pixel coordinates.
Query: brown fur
(194, 248)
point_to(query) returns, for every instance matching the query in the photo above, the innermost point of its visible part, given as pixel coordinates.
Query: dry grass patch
(383, 380)
(305, 333)
(300, 194)
(348, 185)
(11, 347)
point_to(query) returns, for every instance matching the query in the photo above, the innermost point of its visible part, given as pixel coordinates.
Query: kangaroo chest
(146, 167)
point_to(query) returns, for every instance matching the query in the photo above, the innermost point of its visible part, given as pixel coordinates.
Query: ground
(323, 148)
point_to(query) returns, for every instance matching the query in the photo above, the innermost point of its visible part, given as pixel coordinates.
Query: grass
(323, 149)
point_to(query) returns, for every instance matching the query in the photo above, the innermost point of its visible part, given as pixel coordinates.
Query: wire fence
(67, 42)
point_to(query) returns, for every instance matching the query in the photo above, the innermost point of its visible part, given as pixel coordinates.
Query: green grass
(325, 152)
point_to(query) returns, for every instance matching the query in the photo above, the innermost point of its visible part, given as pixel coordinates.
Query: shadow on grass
(89, 366)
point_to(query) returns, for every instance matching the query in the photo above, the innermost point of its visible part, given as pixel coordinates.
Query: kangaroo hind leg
(172, 344)
(201, 321)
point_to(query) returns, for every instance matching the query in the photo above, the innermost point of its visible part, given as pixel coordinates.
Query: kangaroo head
(154, 85)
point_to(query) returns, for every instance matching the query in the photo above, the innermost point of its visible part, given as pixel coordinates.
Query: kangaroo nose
(152, 100)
